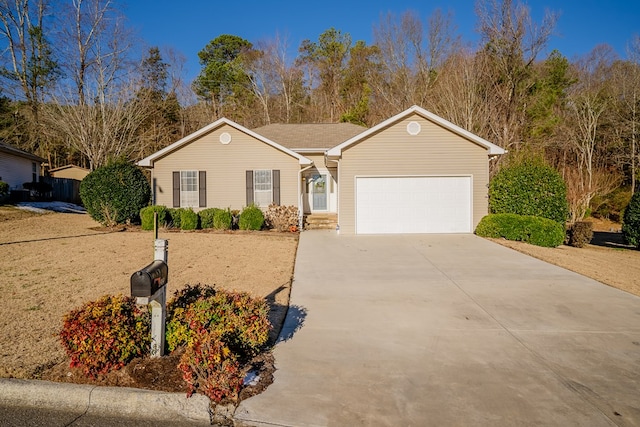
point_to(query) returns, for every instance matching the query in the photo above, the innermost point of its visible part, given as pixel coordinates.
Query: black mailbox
(147, 281)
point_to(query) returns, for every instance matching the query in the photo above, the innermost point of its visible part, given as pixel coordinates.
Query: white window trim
(189, 198)
(261, 192)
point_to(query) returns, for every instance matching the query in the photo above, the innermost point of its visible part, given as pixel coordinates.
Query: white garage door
(391, 205)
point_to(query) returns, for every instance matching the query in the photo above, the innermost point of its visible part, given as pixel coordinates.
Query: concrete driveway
(448, 330)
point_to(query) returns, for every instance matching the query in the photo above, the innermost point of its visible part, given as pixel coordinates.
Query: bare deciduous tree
(102, 131)
(512, 42)
(588, 101)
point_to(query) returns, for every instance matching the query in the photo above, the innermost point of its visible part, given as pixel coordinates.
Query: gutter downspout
(300, 201)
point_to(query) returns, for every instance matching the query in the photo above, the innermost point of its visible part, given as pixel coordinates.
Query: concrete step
(320, 221)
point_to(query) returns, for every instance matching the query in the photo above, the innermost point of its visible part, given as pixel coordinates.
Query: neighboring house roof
(69, 172)
(6, 148)
(148, 161)
(67, 167)
(312, 137)
(492, 149)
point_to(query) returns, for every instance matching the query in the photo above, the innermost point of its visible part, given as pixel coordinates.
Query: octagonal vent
(225, 138)
(413, 128)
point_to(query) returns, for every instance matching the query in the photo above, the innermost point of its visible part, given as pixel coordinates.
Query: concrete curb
(108, 401)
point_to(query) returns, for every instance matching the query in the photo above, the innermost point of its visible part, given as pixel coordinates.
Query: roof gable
(492, 149)
(149, 160)
(61, 168)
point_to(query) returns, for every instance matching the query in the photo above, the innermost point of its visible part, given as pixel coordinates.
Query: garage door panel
(413, 205)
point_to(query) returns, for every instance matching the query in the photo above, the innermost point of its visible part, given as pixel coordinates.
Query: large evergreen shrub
(115, 193)
(529, 187)
(631, 221)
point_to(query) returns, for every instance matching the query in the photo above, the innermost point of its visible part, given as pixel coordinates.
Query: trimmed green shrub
(206, 217)
(251, 218)
(525, 228)
(188, 219)
(529, 187)
(175, 215)
(631, 221)
(4, 188)
(580, 234)
(105, 334)
(222, 219)
(115, 193)
(146, 216)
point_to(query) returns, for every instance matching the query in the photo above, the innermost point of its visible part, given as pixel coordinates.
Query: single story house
(413, 173)
(18, 167)
(69, 172)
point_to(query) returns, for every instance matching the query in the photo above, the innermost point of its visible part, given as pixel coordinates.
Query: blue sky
(189, 25)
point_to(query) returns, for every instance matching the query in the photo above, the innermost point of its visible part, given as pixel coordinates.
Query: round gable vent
(225, 138)
(413, 128)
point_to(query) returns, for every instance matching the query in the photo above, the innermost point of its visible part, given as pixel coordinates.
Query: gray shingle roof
(312, 136)
(17, 152)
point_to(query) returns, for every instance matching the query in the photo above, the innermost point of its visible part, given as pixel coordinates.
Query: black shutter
(176, 189)
(275, 177)
(202, 188)
(249, 188)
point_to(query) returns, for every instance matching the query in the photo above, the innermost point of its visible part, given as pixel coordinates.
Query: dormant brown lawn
(55, 262)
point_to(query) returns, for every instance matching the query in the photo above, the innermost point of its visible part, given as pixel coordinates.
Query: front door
(319, 190)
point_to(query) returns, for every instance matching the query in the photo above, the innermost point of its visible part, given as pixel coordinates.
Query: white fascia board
(492, 149)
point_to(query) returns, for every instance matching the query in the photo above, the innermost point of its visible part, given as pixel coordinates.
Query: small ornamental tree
(529, 187)
(115, 193)
(631, 221)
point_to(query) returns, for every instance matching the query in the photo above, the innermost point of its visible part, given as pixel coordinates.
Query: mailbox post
(148, 285)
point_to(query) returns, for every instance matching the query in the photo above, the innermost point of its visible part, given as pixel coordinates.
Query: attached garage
(413, 204)
(412, 173)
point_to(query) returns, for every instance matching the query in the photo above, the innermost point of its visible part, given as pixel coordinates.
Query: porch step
(321, 221)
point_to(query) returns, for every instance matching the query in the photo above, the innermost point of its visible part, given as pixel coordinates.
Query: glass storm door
(319, 188)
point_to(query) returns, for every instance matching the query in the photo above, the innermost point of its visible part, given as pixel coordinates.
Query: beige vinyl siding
(16, 170)
(435, 151)
(226, 166)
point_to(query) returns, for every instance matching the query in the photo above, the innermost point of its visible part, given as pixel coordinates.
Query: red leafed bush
(105, 334)
(242, 321)
(219, 330)
(210, 367)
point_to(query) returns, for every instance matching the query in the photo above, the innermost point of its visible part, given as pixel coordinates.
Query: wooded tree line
(77, 87)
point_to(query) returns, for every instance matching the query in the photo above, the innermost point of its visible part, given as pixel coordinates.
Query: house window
(34, 172)
(262, 187)
(189, 189)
